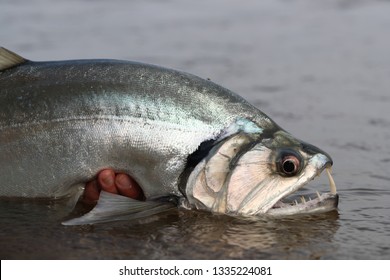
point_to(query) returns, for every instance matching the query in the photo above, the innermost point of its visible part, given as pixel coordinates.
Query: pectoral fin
(112, 207)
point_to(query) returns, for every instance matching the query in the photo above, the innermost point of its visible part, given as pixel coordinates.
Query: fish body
(61, 122)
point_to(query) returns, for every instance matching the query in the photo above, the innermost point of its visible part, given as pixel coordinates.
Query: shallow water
(320, 70)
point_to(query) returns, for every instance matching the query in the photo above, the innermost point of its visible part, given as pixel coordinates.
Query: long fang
(332, 184)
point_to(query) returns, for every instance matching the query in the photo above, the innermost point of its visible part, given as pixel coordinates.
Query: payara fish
(187, 141)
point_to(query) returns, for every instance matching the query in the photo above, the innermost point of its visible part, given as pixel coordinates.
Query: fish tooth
(318, 195)
(296, 202)
(332, 184)
(303, 199)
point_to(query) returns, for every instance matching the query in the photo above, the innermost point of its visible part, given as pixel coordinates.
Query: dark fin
(193, 160)
(113, 207)
(9, 59)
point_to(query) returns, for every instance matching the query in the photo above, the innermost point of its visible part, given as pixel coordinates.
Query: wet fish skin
(182, 138)
(62, 122)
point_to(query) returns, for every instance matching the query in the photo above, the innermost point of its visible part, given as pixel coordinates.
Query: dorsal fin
(9, 59)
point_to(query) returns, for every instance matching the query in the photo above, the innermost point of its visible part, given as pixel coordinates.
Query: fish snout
(325, 159)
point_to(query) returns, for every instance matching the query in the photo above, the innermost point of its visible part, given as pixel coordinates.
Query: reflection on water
(175, 234)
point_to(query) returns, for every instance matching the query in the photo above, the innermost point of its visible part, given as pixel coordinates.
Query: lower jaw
(324, 203)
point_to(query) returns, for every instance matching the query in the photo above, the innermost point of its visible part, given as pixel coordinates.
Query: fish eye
(289, 164)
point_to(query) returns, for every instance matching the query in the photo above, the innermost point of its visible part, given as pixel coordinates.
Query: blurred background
(320, 69)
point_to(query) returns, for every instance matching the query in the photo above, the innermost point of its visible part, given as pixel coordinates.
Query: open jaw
(317, 203)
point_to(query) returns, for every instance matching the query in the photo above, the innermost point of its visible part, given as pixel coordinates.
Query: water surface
(320, 70)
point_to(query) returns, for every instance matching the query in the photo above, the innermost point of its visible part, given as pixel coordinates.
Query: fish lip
(324, 202)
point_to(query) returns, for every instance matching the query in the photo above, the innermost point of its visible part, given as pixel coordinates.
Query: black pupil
(289, 166)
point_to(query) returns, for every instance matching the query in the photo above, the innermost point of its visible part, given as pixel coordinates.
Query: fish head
(250, 174)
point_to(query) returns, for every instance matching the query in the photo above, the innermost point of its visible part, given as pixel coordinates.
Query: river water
(320, 69)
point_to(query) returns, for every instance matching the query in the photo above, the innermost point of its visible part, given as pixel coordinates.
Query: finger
(106, 180)
(91, 192)
(127, 186)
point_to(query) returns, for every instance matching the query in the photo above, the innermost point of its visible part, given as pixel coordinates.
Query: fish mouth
(312, 204)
